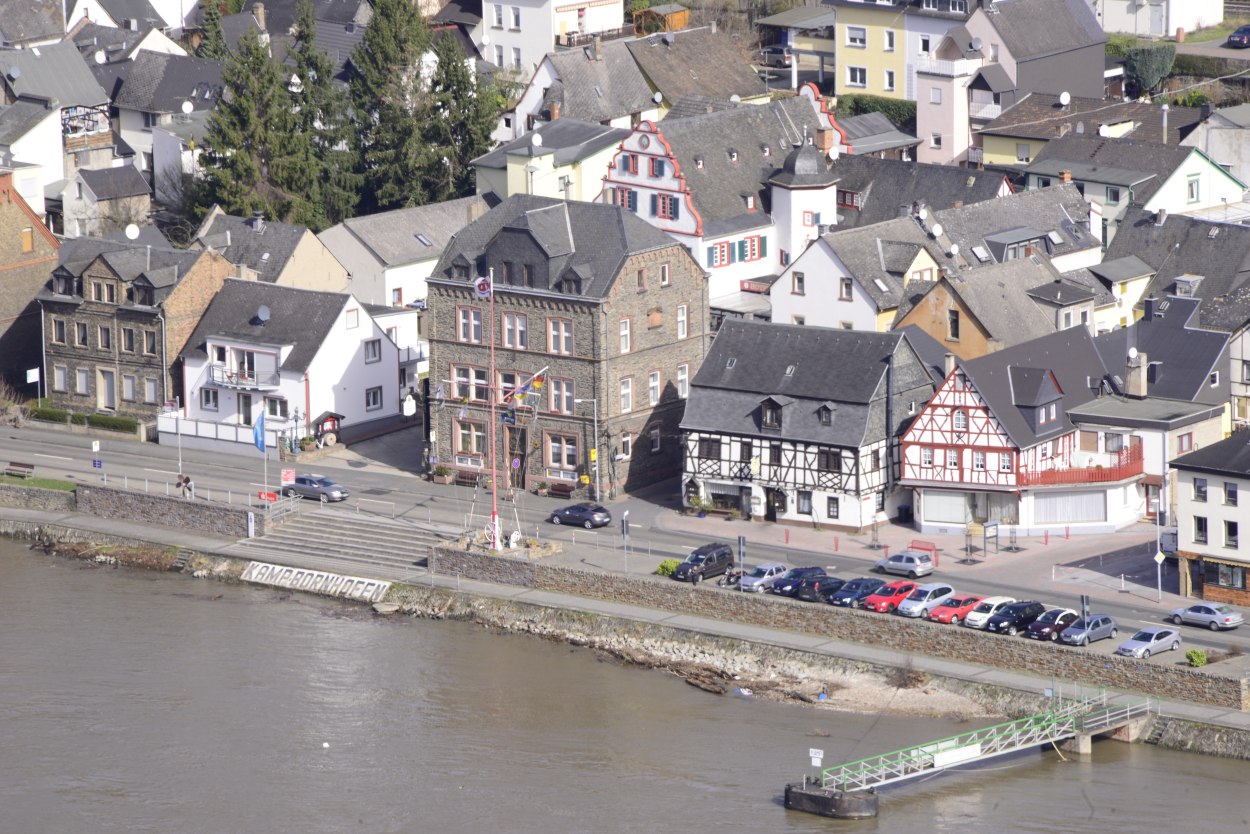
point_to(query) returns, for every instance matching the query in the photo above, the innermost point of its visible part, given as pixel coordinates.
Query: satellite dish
(537, 140)
(937, 230)
(132, 231)
(735, 98)
(187, 107)
(976, 44)
(1104, 131)
(1065, 98)
(1132, 353)
(262, 313)
(658, 97)
(923, 213)
(99, 56)
(485, 40)
(954, 249)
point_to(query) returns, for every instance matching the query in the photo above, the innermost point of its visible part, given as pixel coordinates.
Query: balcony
(573, 40)
(1091, 468)
(985, 110)
(243, 380)
(949, 69)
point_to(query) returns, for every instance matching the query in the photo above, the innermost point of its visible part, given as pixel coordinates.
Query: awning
(1229, 562)
(1152, 480)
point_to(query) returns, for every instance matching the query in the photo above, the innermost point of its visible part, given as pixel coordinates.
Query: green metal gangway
(1067, 718)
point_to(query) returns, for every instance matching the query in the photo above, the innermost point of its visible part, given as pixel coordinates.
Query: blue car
(1240, 38)
(586, 515)
(853, 593)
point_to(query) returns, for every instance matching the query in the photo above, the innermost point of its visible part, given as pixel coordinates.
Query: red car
(954, 609)
(887, 597)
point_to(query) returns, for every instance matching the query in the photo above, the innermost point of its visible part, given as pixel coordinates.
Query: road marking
(52, 457)
(162, 472)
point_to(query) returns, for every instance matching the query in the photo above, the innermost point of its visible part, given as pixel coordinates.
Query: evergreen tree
(388, 97)
(212, 38)
(461, 112)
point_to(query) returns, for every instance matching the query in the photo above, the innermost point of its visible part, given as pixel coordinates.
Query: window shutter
(816, 218)
(674, 205)
(711, 256)
(763, 246)
(733, 252)
(633, 201)
(654, 200)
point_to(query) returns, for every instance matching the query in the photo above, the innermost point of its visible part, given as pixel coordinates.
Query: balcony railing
(984, 110)
(1126, 463)
(240, 378)
(575, 39)
(950, 69)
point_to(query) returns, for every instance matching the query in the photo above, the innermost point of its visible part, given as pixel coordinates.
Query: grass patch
(1219, 32)
(39, 483)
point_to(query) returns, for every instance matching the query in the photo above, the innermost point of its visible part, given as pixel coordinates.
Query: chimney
(257, 222)
(597, 46)
(948, 363)
(1161, 217)
(1135, 386)
(1066, 175)
(1148, 308)
(258, 10)
(1164, 140)
(824, 139)
(713, 27)
(476, 209)
(555, 110)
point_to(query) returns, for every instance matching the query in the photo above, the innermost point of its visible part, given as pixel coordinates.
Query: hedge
(99, 421)
(113, 423)
(901, 113)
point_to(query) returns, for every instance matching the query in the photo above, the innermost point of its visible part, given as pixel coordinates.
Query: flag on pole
(258, 432)
(532, 385)
(482, 287)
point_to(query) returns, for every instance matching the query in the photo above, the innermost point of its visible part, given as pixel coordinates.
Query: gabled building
(102, 44)
(1210, 483)
(28, 252)
(275, 253)
(292, 354)
(872, 190)
(566, 158)
(105, 200)
(160, 90)
(696, 62)
(115, 319)
(133, 15)
(1225, 137)
(30, 148)
(598, 320)
(872, 134)
(801, 424)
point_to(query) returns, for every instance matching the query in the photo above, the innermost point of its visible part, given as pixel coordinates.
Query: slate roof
(570, 140)
(91, 37)
(19, 118)
(300, 318)
(1040, 116)
(160, 83)
(688, 106)
(1186, 354)
(998, 296)
(597, 91)
(804, 167)
(1036, 28)
(32, 20)
(392, 235)
(879, 253)
(280, 14)
(1143, 166)
(140, 10)
(159, 266)
(1147, 413)
(932, 353)
(114, 183)
(149, 235)
(55, 71)
(873, 132)
(727, 399)
(265, 247)
(802, 17)
(1230, 456)
(591, 240)
(696, 62)
(461, 11)
(1238, 114)
(1218, 252)
(1069, 354)
(888, 185)
(719, 188)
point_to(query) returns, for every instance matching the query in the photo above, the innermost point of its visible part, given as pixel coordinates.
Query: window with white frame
(129, 387)
(470, 382)
(935, 95)
(654, 434)
(80, 334)
(60, 378)
(516, 57)
(353, 318)
(626, 338)
(952, 458)
(961, 420)
(373, 350)
(276, 407)
(516, 17)
(857, 76)
(683, 381)
(1194, 189)
(1023, 151)
(470, 437)
(978, 461)
(208, 399)
(834, 506)
(627, 394)
(653, 387)
(514, 331)
(627, 446)
(562, 396)
(856, 36)
(1113, 195)
(373, 398)
(889, 79)
(149, 390)
(470, 329)
(1004, 461)
(562, 451)
(83, 380)
(926, 456)
(665, 279)
(498, 16)
(682, 324)
(935, 140)
(889, 40)
(560, 336)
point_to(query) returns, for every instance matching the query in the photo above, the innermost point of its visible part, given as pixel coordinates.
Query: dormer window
(63, 285)
(698, 163)
(826, 415)
(733, 155)
(770, 415)
(767, 152)
(142, 296)
(750, 201)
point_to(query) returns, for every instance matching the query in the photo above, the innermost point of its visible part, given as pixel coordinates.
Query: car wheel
(1085, 640)
(555, 519)
(289, 493)
(696, 579)
(1115, 632)
(955, 621)
(1011, 631)
(1213, 625)
(890, 608)
(878, 569)
(1145, 655)
(589, 525)
(1054, 637)
(924, 613)
(1176, 619)
(855, 603)
(1176, 644)
(911, 574)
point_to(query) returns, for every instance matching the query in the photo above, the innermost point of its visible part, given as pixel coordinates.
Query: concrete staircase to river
(345, 542)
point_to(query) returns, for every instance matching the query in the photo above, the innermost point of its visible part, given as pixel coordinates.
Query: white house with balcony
(517, 34)
(294, 355)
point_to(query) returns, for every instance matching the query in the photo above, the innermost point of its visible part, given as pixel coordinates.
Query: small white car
(924, 599)
(979, 616)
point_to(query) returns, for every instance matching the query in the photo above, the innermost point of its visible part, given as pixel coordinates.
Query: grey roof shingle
(888, 185)
(265, 247)
(698, 105)
(1035, 28)
(17, 119)
(160, 83)
(1060, 209)
(1041, 116)
(114, 183)
(598, 91)
(32, 20)
(300, 318)
(393, 235)
(460, 11)
(570, 140)
(1143, 166)
(589, 240)
(998, 296)
(1230, 456)
(696, 62)
(161, 267)
(115, 43)
(873, 132)
(55, 71)
(140, 10)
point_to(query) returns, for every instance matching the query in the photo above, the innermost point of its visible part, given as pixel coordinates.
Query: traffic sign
(516, 463)
(594, 455)
(1159, 557)
(97, 464)
(817, 755)
(267, 496)
(288, 476)
(95, 446)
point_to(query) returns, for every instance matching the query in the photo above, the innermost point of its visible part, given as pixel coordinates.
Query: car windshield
(1049, 616)
(1223, 609)
(1079, 624)
(1143, 636)
(760, 572)
(858, 585)
(986, 607)
(322, 482)
(952, 603)
(695, 559)
(918, 594)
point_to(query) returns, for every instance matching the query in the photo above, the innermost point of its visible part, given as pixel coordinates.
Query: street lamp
(594, 455)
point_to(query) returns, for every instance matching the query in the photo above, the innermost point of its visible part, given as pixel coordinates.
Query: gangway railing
(1068, 718)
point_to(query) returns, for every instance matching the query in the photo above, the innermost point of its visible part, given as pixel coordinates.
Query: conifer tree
(212, 38)
(462, 111)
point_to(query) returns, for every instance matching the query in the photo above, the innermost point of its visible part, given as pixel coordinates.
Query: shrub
(441, 471)
(1196, 657)
(901, 113)
(1146, 66)
(1119, 45)
(112, 422)
(907, 676)
(48, 415)
(667, 567)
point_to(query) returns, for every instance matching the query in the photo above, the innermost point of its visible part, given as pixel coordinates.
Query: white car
(979, 616)
(924, 599)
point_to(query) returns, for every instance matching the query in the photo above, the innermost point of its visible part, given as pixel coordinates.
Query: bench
(561, 489)
(20, 470)
(925, 547)
(467, 477)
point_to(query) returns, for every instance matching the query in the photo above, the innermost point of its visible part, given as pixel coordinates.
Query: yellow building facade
(870, 49)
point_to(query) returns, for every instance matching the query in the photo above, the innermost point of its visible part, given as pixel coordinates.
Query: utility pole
(594, 449)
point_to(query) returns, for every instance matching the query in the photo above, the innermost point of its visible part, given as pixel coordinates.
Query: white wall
(820, 305)
(339, 376)
(1157, 17)
(40, 147)
(1226, 144)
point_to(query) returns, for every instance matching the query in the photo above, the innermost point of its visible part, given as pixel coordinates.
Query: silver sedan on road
(1213, 615)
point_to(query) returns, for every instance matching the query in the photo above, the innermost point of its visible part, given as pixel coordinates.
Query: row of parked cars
(939, 601)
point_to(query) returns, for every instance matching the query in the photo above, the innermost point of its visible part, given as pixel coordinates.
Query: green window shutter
(654, 200)
(711, 256)
(763, 247)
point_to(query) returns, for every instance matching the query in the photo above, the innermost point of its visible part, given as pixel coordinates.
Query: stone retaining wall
(36, 498)
(1179, 683)
(168, 511)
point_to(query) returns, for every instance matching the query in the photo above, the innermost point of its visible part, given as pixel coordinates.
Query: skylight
(982, 254)
(423, 240)
(880, 285)
(732, 361)
(1055, 237)
(790, 370)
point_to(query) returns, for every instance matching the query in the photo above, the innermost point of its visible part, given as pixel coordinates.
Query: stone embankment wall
(1205, 686)
(168, 511)
(31, 498)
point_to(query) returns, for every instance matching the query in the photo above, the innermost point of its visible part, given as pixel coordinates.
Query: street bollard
(887, 551)
(835, 544)
(1067, 532)
(787, 535)
(1046, 537)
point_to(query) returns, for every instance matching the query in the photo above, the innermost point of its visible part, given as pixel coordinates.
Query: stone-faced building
(115, 319)
(612, 311)
(27, 255)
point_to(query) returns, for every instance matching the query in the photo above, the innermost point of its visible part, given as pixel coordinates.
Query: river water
(141, 702)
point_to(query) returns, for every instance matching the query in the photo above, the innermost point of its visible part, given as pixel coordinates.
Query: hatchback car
(760, 577)
(775, 56)
(1240, 38)
(954, 609)
(818, 588)
(924, 599)
(1051, 624)
(787, 584)
(1213, 615)
(705, 562)
(988, 607)
(1088, 629)
(316, 486)
(586, 514)
(906, 563)
(1015, 618)
(1150, 641)
(853, 593)
(886, 598)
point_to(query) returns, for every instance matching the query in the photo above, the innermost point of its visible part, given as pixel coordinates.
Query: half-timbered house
(801, 424)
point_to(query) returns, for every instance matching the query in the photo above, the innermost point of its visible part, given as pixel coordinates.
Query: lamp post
(594, 454)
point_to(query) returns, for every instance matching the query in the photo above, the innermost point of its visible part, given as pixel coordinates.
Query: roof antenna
(149, 261)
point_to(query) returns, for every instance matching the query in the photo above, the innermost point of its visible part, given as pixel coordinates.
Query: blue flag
(258, 432)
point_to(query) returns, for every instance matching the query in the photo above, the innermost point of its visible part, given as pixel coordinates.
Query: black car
(817, 588)
(1240, 38)
(853, 593)
(1015, 617)
(787, 585)
(705, 562)
(588, 515)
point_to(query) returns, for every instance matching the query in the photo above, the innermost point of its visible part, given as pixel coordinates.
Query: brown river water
(143, 702)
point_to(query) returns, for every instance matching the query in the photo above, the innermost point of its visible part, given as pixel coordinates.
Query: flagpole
(494, 475)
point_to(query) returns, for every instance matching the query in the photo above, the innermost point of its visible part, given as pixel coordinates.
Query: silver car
(1150, 640)
(318, 487)
(1213, 615)
(979, 616)
(924, 599)
(906, 563)
(1088, 629)
(760, 577)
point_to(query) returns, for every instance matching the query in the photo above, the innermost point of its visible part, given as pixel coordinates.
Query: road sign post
(625, 537)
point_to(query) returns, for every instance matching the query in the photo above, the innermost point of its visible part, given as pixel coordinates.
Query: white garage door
(1069, 507)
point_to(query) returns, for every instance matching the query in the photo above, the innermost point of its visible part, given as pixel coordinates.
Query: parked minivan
(775, 56)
